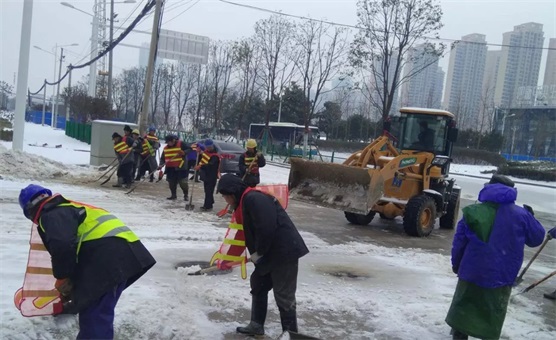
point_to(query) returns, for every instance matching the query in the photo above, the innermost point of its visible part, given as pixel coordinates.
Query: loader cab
(426, 130)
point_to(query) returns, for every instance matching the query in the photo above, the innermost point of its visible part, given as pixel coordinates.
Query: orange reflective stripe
(121, 148)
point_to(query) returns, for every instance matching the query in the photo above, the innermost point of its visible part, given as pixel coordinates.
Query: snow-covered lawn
(399, 293)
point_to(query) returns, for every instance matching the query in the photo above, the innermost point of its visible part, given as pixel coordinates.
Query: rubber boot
(259, 306)
(288, 319)
(185, 188)
(173, 190)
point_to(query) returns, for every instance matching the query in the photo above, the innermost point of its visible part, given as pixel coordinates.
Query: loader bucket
(335, 186)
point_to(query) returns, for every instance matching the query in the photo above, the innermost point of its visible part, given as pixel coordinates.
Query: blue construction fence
(36, 117)
(510, 157)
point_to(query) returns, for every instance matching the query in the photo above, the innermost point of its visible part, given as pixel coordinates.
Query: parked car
(229, 154)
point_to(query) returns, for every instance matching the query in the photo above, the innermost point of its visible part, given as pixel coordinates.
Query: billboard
(189, 48)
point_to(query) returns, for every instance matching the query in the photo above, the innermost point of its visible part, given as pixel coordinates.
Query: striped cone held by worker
(38, 296)
(232, 252)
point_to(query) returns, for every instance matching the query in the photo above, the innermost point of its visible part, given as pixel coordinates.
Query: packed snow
(390, 293)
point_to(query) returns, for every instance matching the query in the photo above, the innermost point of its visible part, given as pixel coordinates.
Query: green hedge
(540, 171)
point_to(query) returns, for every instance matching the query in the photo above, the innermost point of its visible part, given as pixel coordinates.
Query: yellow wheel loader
(400, 174)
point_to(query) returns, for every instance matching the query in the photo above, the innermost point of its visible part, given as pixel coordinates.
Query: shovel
(520, 277)
(103, 168)
(533, 285)
(205, 271)
(190, 206)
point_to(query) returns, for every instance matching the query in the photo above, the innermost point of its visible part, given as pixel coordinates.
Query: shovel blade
(189, 207)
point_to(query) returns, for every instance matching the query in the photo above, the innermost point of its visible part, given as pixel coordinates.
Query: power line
(360, 28)
(185, 10)
(114, 43)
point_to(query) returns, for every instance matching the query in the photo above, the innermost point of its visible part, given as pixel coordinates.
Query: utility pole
(55, 113)
(94, 46)
(69, 95)
(150, 68)
(44, 103)
(22, 75)
(109, 96)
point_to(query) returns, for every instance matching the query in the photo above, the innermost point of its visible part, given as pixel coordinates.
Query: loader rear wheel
(419, 216)
(450, 219)
(359, 219)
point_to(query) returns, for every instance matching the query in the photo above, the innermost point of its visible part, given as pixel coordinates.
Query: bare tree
(220, 69)
(183, 86)
(6, 90)
(274, 37)
(247, 59)
(156, 91)
(321, 50)
(167, 84)
(389, 29)
(134, 83)
(201, 93)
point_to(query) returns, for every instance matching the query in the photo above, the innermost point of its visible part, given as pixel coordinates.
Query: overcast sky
(55, 24)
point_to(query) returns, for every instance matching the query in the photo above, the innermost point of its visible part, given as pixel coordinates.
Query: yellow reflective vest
(98, 224)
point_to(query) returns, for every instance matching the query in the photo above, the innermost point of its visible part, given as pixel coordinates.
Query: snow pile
(7, 115)
(17, 164)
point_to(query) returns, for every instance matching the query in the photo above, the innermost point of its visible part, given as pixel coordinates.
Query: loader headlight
(440, 160)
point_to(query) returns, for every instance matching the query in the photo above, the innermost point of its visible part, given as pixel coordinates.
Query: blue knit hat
(209, 142)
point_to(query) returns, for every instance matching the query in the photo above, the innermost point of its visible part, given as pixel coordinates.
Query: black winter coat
(270, 232)
(251, 179)
(101, 264)
(209, 171)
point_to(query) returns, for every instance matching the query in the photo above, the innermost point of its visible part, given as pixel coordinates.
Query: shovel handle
(520, 277)
(533, 285)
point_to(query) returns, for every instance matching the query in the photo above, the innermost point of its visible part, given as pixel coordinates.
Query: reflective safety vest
(122, 148)
(251, 164)
(151, 138)
(147, 149)
(233, 250)
(171, 157)
(98, 224)
(206, 157)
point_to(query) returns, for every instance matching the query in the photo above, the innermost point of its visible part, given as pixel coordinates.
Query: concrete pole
(280, 108)
(94, 45)
(22, 74)
(55, 113)
(142, 120)
(44, 103)
(111, 38)
(69, 95)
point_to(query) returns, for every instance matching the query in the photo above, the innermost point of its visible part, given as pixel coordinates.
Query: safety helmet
(28, 194)
(209, 142)
(251, 144)
(135, 132)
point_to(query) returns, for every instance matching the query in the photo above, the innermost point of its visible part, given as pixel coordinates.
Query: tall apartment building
(519, 66)
(491, 74)
(421, 90)
(550, 70)
(465, 78)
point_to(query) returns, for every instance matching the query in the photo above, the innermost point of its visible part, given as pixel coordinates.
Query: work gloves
(64, 286)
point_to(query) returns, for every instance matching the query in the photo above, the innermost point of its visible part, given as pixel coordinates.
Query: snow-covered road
(353, 290)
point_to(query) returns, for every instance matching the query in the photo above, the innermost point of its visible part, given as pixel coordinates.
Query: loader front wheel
(450, 219)
(419, 216)
(359, 219)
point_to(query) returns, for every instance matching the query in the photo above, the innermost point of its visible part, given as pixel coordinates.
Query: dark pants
(146, 167)
(97, 320)
(209, 185)
(125, 172)
(173, 184)
(283, 281)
